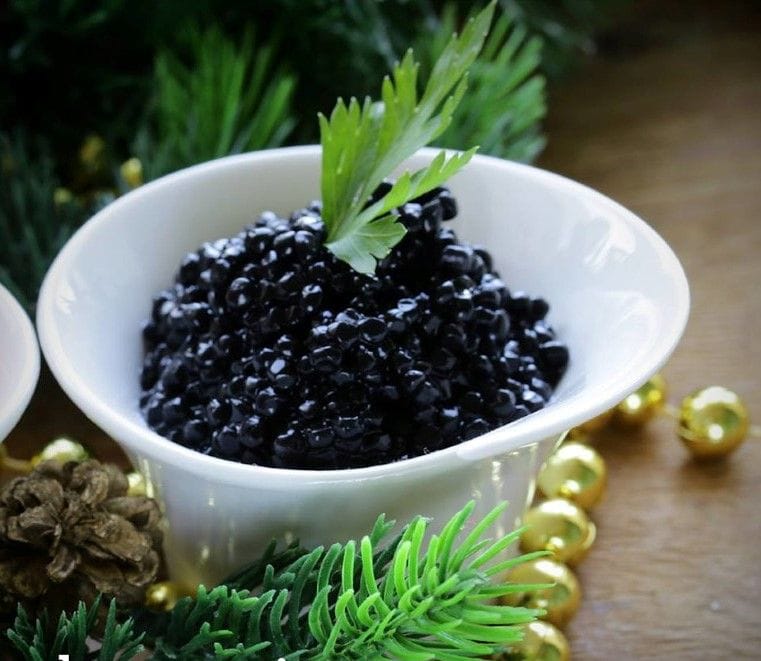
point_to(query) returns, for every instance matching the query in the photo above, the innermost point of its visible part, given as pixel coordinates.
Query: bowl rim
(13, 406)
(550, 421)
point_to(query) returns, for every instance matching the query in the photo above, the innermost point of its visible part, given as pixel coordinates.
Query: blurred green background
(99, 97)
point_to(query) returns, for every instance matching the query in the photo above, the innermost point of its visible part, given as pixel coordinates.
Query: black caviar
(269, 350)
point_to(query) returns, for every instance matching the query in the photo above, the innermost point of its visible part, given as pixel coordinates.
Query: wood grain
(672, 130)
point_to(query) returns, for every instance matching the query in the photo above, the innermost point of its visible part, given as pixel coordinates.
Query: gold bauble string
(576, 472)
(713, 422)
(560, 527)
(561, 601)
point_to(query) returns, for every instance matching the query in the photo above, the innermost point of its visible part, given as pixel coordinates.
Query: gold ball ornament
(576, 472)
(542, 642)
(62, 196)
(561, 601)
(558, 526)
(163, 596)
(132, 172)
(593, 425)
(713, 421)
(137, 485)
(92, 152)
(61, 450)
(643, 404)
(576, 435)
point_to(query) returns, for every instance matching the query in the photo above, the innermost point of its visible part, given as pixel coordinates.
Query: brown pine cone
(68, 532)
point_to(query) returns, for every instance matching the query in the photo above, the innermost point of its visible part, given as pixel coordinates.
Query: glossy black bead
(240, 293)
(532, 400)
(456, 259)
(195, 432)
(268, 349)
(225, 441)
(373, 329)
(519, 304)
(554, 355)
(348, 427)
(251, 432)
(474, 427)
(432, 215)
(503, 404)
(541, 387)
(448, 205)
(218, 412)
(320, 437)
(267, 402)
(411, 216)
(538, 309)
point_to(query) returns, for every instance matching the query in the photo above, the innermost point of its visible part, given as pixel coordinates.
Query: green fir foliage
(175, 94)
(72, 635)
(34, 225)
(225, 99)
(568, 28)
(506, 101)
(407, 599)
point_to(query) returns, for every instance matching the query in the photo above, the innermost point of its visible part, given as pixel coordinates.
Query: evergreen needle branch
(506, 101)
(227, 97)
(367, 599)
(34, 221)
(39, 641)
(364, 143)
(407, 599)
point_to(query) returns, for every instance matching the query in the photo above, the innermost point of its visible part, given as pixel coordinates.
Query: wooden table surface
(672, 130)
(668, 123)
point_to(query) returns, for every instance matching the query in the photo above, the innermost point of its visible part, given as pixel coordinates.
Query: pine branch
(371, 599)
(38, 641)
(34, 225)
(568, 28)
(407, 600)
(252, 575)
(506, 101)
(228, 98)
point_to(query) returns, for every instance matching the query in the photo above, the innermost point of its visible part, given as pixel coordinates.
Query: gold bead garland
(643, 404)
(62, 196)
(542, 642)
(561, 601)
(131, 172)
(163, 596)
(61, 450)
(712, 422)
(558, 526)
(576, 472)
(137, 484)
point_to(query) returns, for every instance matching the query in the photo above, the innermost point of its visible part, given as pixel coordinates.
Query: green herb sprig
(362, 144)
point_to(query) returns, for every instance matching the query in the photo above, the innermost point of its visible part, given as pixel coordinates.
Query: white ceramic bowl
(19, 361)
(618, 294)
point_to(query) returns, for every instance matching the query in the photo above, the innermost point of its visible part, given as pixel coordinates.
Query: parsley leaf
(362, 144)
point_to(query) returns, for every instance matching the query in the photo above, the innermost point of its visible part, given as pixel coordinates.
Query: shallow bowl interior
(19, 361)
(618, 296)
